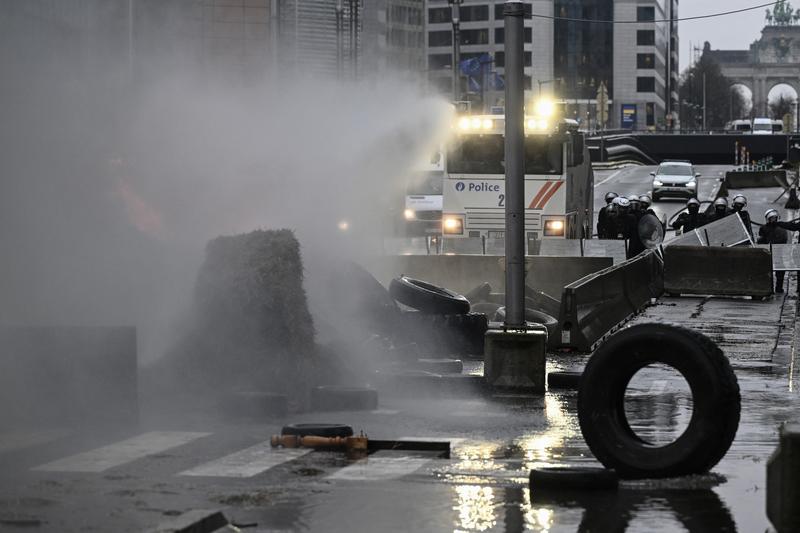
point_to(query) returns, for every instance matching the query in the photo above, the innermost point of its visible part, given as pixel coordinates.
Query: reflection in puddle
(658, 404)
(476, 457)
(476, 508)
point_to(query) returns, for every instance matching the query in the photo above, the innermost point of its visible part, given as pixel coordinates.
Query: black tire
(332, 398)
(564, 380)
(427, 298)
(572, 478)
(715, 394)
(318, 430)
(440, 366)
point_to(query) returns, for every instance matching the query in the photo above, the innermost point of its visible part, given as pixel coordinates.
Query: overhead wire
(696, 17)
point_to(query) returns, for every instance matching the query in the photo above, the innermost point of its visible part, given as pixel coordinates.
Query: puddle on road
(658, 404)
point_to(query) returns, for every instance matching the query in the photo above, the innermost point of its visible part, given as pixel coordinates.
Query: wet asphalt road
(135, 478)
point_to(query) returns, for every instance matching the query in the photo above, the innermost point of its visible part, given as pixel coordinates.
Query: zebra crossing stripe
(381, 465)
(17, 440)
(101, 459)
(248, 462)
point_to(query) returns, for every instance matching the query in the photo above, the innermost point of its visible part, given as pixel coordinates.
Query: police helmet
(610, 197)
(621, 201)
(721, 201)
(693, 201)
(740, 199)
(771, 213)
(646, 200)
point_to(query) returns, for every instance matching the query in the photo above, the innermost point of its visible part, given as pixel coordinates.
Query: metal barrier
(594, 306)
(755, 178)
(728, 231)
(716, 270)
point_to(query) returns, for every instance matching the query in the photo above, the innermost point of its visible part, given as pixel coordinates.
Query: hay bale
(251, 327)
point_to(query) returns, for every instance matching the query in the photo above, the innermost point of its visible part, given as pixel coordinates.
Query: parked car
(674, 179)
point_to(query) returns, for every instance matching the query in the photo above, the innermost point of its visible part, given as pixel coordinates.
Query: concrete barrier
(783, 481)
(462, 273)
(596, 305)
(68, 375)
(755, 178)
(715, 270)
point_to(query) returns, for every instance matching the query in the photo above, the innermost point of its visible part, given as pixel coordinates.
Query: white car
(762, 126)
(676, 179)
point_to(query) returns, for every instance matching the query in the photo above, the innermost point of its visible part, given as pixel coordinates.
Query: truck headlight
(410, 214)
(453, 225)
(692, 184)
(657, 183)
(554, 228)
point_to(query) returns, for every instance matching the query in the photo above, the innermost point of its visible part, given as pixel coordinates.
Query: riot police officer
(774, 232)
(691, 219)
(719, 210)
(603, 229)
(619, 211)
(739, 206)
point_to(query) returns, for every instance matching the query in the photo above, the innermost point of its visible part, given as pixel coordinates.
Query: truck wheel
(715, 395)
(427, 298)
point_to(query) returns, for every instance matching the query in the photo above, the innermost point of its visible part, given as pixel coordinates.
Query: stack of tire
(539, 309)
(442, 318)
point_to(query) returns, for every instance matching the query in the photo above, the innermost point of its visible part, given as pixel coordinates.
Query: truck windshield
(762, 127)
(485, 154)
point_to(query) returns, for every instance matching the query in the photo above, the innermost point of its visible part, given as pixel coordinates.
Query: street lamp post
(515, 164)
(455, 13)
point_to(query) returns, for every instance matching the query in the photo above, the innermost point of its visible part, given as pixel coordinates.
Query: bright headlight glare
(545, 108)
(476, 123)
(452, 225)
(554, 228)
(531, 124)
(463, 123)
(410, 214)
(543, 124)
(487, 124)
(344, 225)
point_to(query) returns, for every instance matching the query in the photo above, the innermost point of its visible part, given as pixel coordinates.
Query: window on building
(498, 10)
(437, 15)
(650, 113)
(583, 52)
(499, 35)
(645, 37)
(500, 59)
(473, 13)
(440, 61)
(474, 36)
(645, 14)
(646, 84)
(645, 61)
(440, 38)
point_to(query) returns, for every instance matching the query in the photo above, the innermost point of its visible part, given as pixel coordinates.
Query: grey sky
(731, 32)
